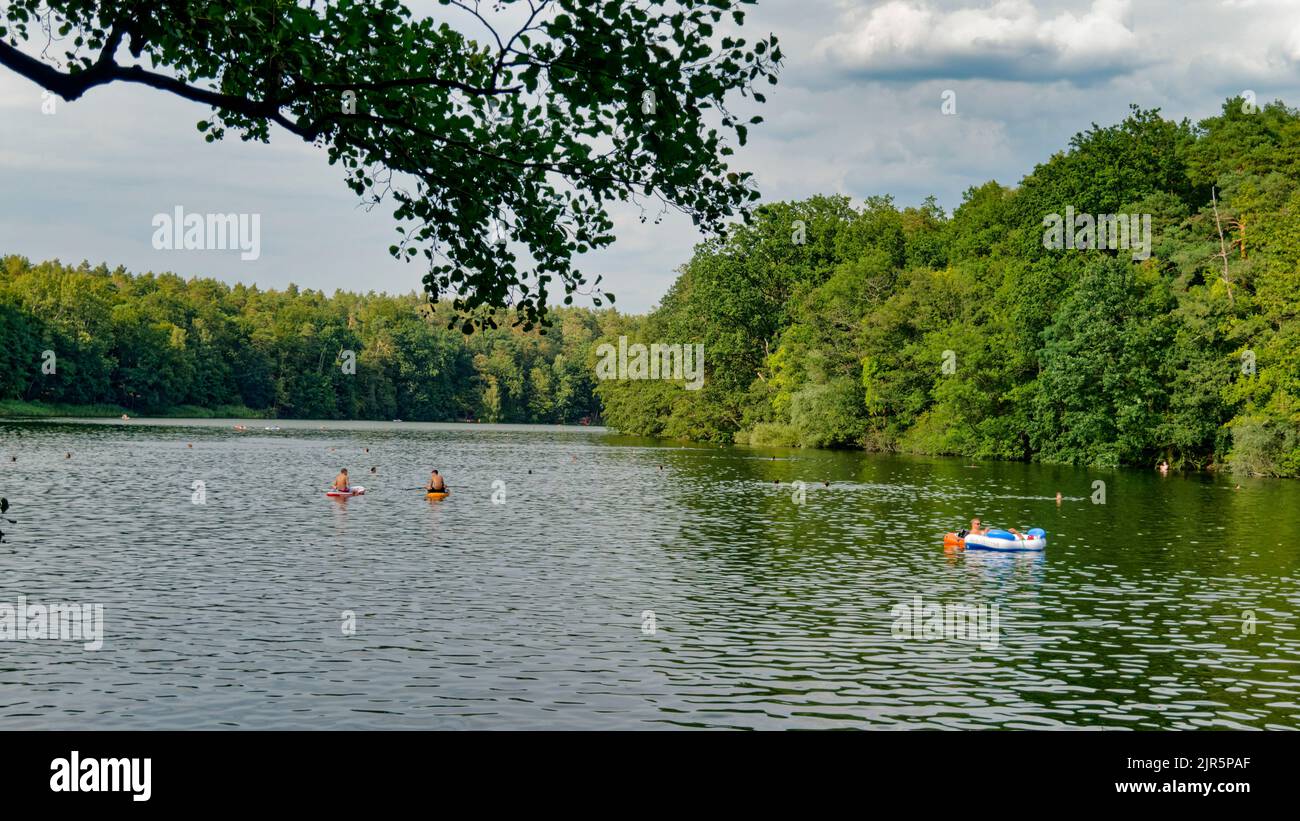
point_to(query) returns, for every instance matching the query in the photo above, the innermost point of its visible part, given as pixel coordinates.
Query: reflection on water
(1170, 606)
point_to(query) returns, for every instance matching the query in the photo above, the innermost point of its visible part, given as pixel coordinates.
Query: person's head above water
(344, 471)
(975, 523)
(435, 471)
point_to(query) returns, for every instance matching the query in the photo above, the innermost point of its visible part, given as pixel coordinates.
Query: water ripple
(773, 606)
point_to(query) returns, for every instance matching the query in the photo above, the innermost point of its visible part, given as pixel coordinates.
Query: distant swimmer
(1163, 467)
(436, 483)
(126, 418)
(372, 470)
(1058, 497)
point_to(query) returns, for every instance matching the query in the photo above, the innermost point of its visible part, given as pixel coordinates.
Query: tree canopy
(157, 343)
(500, 132)
(827, 323)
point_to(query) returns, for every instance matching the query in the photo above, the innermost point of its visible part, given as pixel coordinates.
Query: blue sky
(858, 112)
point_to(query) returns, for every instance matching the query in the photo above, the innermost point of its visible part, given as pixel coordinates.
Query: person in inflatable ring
(977, 528)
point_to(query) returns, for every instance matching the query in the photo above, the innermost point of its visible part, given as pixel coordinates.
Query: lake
(627, 584)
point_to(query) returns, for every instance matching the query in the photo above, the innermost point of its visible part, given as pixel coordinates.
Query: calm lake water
(1171, 605)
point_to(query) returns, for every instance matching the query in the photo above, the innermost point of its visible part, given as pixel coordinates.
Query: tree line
(978, 334)
(161, 344)
(823, 324)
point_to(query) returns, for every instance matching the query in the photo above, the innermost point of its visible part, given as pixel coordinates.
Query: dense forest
(830, 325)
(161, 344)
(823, 324)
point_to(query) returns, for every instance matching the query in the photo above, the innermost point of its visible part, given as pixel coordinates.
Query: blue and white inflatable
(1035, 539)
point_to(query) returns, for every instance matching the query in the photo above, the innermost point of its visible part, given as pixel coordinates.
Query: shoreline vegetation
(20, 409)
(982, 334)
(998, 332)
(94, 341)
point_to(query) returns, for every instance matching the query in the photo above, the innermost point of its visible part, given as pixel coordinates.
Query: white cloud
(1008, 39)
(1292, 46)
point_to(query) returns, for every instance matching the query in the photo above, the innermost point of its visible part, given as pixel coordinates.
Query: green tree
(526, 133)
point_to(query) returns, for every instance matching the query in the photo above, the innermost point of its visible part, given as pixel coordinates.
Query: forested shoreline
(823, 324)
(163, 345)
(829, 325)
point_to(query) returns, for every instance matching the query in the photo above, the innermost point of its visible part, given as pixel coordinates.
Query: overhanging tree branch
(546, 128)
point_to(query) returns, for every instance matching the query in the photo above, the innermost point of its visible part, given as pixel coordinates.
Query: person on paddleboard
(341, 481)
(436, 483)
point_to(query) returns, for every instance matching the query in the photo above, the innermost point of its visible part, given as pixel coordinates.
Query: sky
(858, 112)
